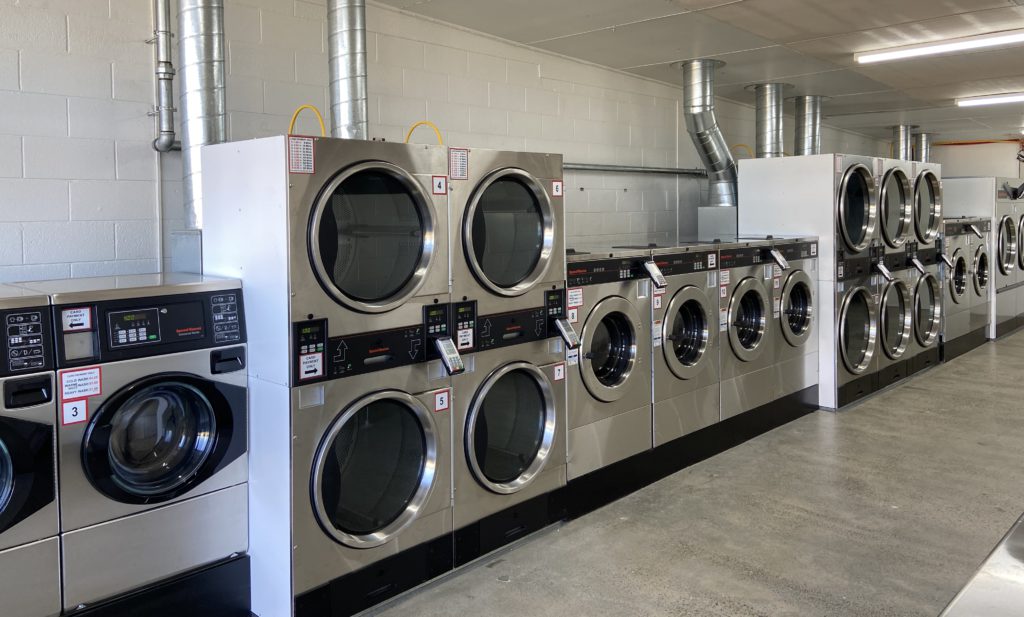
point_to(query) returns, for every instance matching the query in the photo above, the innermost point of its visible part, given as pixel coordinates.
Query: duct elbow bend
(164, 143)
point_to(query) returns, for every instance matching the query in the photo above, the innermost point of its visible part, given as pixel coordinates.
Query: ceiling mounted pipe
(902, 141)
(203, 101)
(768, 111)
(699, 114)
(923, 147)
(346, 48)
(807, 141)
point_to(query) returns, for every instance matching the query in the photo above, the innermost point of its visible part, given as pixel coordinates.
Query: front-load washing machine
(980, 242)
(795, 306)
(895, 317)
(927, 204)
(685, 341)
(747, 326)
(609, 300)
(29, 525)
(956, 284)
(153, 436)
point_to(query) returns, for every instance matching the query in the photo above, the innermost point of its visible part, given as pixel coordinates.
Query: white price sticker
(442, 400)
(464, 339)
(301, 155)
(458, 163)
(725, 277)
(560, 371)
(81, 383)
(572, 357)
(74, 412)
(556, 188)
(76, 319)
(311, 366)
(656, 339)
(574, 297)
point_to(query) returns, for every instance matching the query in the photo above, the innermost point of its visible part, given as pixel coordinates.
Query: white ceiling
(806, 43)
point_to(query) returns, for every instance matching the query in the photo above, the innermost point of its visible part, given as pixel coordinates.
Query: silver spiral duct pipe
(768, 111)
(699, 114)
(902, 141)
(923, 147)
(203, 102)
(346, 47)
(808, 125)
(164, 75)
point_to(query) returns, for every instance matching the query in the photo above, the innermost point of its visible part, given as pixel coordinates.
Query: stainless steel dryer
(795, 306)
(923, 280)
(29, 525)
(896, 206)
(928, 212)
(609, 384)
(152, 444)
(980, 242)
(746, 323)
(895, 317)
(854, 343)
(685, 342)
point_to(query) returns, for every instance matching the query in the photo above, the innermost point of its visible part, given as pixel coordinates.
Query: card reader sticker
(464, 339)
(712, 260)
(81, 383)
(76, 319)
(572, 357)
(311, 366)
(74, 412)
(574, 297)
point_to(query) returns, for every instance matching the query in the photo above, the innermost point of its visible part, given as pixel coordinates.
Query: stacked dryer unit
(29, 517)
(833, 197)
(997, 200)
(896, 300)
(965, 285)
(508, 290)
(344, 249)
(923, 273)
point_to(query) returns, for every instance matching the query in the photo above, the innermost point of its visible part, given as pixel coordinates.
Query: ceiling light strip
(998, 39)
(993, 99)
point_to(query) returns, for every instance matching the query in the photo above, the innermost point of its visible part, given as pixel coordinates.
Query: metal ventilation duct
(699, 113)
(346, 47)
(768, 108)
(203, 105)
(808, 125)
(165, 142)
(902, 141)
(923, 147)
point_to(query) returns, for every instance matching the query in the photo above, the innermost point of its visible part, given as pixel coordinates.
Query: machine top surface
(102, 288)
(15, 297)
(596, 251)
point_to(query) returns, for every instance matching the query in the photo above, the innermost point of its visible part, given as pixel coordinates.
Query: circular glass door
(958, 277)
(927, 310)
(896, 319)
(857, 208)
(981, 271)
(372, 237)
(510, 428)
(1020, 253)
(509, 232)
(897, 208)
(857, 330)
(687, 332)
(374, 469)
(6, 477)
(609, 348)
(150, 442)
(927, 206)
(748, 319)
(797, 308)
(1007, 245)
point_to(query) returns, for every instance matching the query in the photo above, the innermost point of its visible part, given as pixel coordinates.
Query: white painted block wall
(81, 191)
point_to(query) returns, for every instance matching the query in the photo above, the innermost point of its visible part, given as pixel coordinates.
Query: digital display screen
(137, 327)
(310, 330)
(436, 312)
(463, 310)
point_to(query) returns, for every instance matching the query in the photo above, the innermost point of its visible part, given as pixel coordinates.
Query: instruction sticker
(560, 371)
(725, 277)
(76, 319)
(439, 185)
(464, 339)
(574, 297)
(74, 412)
(723, 320)
(311, 366)
(443, 400)
(301, 155)
(81, 383)
(556, 188)
(656, 339)
(572, 357)
(458, 163)
(814, 250)
(712, 260)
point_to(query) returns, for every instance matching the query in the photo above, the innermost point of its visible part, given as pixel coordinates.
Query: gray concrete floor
(884, 509)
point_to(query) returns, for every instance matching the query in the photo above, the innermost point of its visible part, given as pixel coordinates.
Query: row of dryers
(134, 471)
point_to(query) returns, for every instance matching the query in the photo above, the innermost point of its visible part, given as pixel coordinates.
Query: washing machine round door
(958, 277)
(609, 348)
(371, 237)
(927, 206)
(510, 428)
(374, 469)
(981, 272)
(858, 330)
(1007, 245)
(797, 308)
(6, 477)
(897, 322)
(897, 208)
(748, 319)
(857, 207)
(159, 437)
(1020, 234)
(686, 332)
(927, 310)
(509, 232)
(26, 470)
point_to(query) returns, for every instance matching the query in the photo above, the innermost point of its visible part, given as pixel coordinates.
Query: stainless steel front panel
(106, 560)
(927, 203)
(896, 205)
(750, 332)
(856, 329)
(957, 287)
(795, 299)
(857, 207)
(30, 584)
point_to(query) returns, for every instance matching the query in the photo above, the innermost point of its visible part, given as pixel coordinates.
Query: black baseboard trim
(925, 360)
(505, 527)
(892, 374)
(376, 583)
(219, 590)
(957, 347)
(857, 389)
(1009, 326)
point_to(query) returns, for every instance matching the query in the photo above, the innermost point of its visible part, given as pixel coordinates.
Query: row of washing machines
(123, 442)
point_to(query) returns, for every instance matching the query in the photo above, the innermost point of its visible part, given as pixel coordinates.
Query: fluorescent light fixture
(998, 39)
(992, 99)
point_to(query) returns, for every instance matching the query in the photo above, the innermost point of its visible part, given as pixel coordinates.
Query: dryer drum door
(748, 319)
(980, 272)
(1020, 234)
(510, 428)
(375, 469)
(958, 277)
(857, 207)
(26, 470)
(1007, 246)
(162, 436)
(687, 332)
(609, 348)
(509, 232)
(371, 237)
(897, 322)
(797, 308)
(927, 206)
(858, 330)
(897, 208)
(927, 310)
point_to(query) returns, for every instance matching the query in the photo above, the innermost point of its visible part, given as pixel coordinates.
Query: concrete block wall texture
(82, 193)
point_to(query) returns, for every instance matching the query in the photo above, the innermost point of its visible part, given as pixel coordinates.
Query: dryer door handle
(227, 360)
(28, 392)
(977, 232)
(884, 272)
(946, 260)
(779, 259)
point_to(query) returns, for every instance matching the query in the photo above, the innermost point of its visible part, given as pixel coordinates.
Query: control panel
(744, 256)
(690, 262)
(139, 327)
(28, 340)
(857, 265)
(582, 273)
(482, 332)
